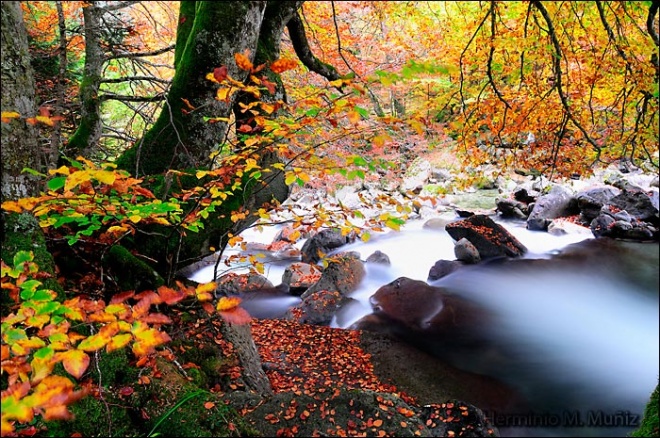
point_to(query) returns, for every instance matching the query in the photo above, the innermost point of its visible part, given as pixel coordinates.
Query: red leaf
(236, 315)
(220, 73)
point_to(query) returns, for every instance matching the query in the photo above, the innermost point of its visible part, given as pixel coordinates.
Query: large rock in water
(491, 239)
(558, 203)
(419, 307)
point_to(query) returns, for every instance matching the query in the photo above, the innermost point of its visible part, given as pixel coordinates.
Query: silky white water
(575, 340)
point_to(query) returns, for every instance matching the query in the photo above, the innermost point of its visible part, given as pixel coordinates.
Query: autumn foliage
(558, 87)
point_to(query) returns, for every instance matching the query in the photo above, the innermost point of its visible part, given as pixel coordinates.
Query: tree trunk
(183, 138)
(254, 376)
(20, 148)
(87, 136)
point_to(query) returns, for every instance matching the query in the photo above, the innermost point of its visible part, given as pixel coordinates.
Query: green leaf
(22, 257)
(56, 183)
(33, 172)
(44, 353)
(361, 111)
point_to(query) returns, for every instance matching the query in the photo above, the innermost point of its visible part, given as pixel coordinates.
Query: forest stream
(577, 336)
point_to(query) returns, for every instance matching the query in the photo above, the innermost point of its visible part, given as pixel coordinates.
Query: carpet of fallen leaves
(309, 359)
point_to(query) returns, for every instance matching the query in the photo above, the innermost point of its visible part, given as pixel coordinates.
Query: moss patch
(650, 423)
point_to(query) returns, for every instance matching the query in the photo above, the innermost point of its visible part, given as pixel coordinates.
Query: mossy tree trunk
(183, 138)
(88, 133)
(20, 148)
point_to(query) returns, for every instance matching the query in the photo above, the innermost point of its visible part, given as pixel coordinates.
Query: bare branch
(134, 79)
(301, 46)
(140, 54)
(111, 96)
(556, 65)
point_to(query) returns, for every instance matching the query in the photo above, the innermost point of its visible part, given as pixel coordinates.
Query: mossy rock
(97, 418)
(21, 232)
(650, 423)
(177, 407)
(130, 272)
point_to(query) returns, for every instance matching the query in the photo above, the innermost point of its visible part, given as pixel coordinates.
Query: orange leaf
(121, 297)
(209, 405)
(243, 62)
(378, 422)
(75, 362)
(282, 65)
(170, 296)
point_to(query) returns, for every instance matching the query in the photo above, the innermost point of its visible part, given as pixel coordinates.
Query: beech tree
(20, 148)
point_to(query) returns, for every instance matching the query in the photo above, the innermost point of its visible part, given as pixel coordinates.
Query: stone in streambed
(490, 238)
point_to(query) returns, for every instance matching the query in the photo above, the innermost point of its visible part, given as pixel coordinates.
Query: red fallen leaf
(210, 309)
(378, 422)
(126, 391)
(209, 405)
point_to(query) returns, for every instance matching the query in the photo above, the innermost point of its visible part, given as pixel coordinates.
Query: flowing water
(578, 338)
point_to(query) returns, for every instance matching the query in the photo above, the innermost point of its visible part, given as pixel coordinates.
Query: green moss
(130, 272)
(114, 369)
(650, 423)
(21, 232)
(95, 418)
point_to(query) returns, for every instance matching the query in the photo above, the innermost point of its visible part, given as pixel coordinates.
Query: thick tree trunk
(20, 148)
(183, 138)
(87, 136)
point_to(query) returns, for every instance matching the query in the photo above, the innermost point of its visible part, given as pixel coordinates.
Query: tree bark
(183, 138)
(20, 148)
(88, 133)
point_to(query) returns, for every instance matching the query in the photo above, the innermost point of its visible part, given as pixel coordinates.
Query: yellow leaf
(75, 179)
(337, 83)
(206, 287)
(226, 303)
(135, 218)
(118, 342)
(75, 362)
(105, 176)
(290, 179)
(93, 343)
(40, 369)
(7, 116)
(223, 93)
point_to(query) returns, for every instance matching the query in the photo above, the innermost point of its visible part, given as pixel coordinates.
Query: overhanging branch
(301, 46)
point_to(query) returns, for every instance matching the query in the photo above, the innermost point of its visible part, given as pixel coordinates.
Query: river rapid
(578, 340)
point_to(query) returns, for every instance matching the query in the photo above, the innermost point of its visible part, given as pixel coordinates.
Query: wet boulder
(343, 273)
(590, 201)
(490, 238)
(419, 307)
(558, 203)
(317, 246)
(301, 276)
(442, 268)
